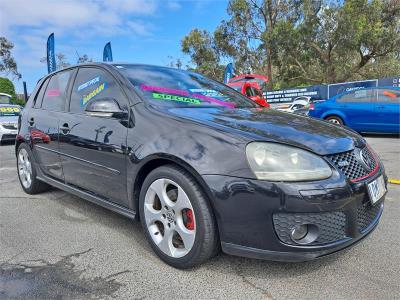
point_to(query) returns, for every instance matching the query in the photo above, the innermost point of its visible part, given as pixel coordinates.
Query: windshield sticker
(176, 98)
(210, 93)
(88, 83)
(185, 94)
(9, 111)
(93, 93)
(213, 100)
(164, 90)
(53, 93)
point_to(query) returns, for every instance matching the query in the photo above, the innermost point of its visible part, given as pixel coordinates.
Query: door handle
(65, 128)
(31, 121)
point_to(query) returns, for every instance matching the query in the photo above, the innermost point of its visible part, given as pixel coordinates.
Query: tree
(174, 62)
(62, 60)
(7, 87)
(7, 62)
(340, 43)
(302, 42)
(201, 47)
(83, 59)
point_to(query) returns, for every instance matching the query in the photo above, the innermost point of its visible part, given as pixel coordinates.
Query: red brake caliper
(188, 219)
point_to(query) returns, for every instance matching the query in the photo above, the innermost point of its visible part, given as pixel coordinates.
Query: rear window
(56, 91)
(176, 88)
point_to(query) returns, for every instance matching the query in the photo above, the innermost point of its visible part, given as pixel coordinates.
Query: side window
(94, 83)
(359, 96)
(39, 96)
(298, 106)
(389, 96)
(55, 96)
(257, 93)
(249, 92)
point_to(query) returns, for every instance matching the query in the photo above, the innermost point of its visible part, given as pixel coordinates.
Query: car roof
(368, 88)
(113, 65)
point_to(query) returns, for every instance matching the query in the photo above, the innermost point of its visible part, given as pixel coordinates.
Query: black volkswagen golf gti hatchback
(200, 165)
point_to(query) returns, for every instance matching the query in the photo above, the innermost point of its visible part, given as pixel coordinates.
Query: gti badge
(343, 163)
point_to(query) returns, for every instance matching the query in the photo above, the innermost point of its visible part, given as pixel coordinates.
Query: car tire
(181, 238)
(27, 174)
(335, 120)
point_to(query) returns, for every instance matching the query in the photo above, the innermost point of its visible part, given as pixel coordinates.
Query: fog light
(299, 232)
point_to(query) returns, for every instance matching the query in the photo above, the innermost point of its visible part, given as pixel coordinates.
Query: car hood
(258, 124)
(8, 119)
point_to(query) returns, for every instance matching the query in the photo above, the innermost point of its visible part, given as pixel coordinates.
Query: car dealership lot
(57, 244)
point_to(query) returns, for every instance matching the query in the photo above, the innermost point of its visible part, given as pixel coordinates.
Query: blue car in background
(364, 110)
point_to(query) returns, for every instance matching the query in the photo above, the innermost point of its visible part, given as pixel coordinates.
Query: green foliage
(7, 62)
(6, 86)
(302, 42)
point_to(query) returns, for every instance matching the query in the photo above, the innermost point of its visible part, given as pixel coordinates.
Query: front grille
(366, 214)
(8, 137)
(354, 164)
(331, 225)
(10, 126)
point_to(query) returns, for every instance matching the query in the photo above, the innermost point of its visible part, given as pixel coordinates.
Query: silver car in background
(9, 114)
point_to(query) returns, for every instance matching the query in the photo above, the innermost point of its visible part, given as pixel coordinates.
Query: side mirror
(105, 107)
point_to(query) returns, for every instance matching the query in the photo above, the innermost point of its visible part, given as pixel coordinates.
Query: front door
(93, 148)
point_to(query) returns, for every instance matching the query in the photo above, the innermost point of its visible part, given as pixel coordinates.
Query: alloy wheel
(169, 218)
(24, 168)
(334, 121)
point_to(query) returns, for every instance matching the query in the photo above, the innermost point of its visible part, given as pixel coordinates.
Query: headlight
(278, 162)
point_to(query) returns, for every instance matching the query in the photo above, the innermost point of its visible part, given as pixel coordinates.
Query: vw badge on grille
(367, 159)
(343, 163)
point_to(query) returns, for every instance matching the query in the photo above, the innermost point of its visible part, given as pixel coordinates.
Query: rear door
(44, 123)
(387, 111)
(93, 148)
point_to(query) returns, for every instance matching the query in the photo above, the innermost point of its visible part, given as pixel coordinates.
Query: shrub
(6, 86)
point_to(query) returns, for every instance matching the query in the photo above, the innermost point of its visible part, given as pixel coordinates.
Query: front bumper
(254, 217)
(7, 134)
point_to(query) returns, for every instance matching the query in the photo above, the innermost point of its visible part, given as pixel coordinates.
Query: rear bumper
(255, 217)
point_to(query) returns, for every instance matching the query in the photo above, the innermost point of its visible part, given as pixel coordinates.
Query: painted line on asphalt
(394, 181)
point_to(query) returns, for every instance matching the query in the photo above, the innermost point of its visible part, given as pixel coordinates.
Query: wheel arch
(335, 113)
(158, 161)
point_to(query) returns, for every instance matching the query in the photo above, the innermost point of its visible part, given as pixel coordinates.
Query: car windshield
(4, 99)
(176, 88)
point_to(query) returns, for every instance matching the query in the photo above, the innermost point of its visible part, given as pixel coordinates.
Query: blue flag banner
(228, 74)
(107, 53)
(51, 57)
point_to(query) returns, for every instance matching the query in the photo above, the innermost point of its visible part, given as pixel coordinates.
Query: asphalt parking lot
(55, 244)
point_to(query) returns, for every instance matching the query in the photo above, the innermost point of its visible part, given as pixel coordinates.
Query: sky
(140, 31)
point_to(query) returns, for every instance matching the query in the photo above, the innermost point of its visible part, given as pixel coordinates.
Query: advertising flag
(228, 74)
(107, 53)
(51, 57)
